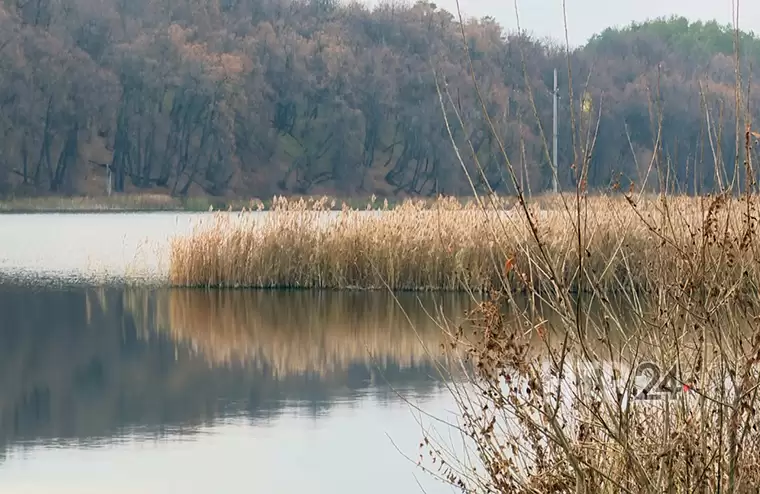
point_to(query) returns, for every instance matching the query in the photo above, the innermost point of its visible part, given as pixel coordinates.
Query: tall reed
(450, 245)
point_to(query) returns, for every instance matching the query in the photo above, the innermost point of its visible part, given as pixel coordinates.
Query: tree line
(261, 97)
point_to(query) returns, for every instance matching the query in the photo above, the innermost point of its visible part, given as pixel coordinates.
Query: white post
(108, 187)
(554, 134)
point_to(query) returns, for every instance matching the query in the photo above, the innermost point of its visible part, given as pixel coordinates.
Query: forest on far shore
(241, 98)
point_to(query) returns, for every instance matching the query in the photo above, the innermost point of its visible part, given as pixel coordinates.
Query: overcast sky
(587, 17)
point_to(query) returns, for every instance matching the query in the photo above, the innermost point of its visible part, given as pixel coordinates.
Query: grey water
(111, 385)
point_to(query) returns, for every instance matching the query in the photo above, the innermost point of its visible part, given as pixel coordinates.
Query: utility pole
(108, 168)
(108, 187)
(554, 134)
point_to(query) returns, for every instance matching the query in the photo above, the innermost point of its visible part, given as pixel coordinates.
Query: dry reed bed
(447, 245)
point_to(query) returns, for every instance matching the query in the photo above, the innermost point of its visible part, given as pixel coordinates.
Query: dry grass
(534, 427)
(450, 245)
(536, 417)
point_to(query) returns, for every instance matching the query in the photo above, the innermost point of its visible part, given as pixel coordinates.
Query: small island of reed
(452, 245)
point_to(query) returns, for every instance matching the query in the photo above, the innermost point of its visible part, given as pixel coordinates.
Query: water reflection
(89, 364)
(126, 389)
(308, 332)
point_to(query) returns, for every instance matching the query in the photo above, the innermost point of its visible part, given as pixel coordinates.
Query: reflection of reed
(308, 332)
(85, 362)
(291, 333)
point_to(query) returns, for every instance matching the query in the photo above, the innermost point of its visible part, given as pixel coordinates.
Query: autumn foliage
(259, 97)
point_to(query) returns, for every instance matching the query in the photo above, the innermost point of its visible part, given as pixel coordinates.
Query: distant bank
(132, 203)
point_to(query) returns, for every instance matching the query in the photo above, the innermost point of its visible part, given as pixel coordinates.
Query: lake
(111, 385)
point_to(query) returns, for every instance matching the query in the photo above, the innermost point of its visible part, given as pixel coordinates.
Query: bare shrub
(557, 398)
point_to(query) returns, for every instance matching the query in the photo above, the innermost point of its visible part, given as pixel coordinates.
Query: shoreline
(84, 211)
(166, 204)
(160, 203)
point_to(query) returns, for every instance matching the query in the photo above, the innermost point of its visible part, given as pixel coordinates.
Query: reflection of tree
(83, 363)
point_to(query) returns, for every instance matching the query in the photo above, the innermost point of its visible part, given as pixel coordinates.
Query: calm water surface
(127, 389)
